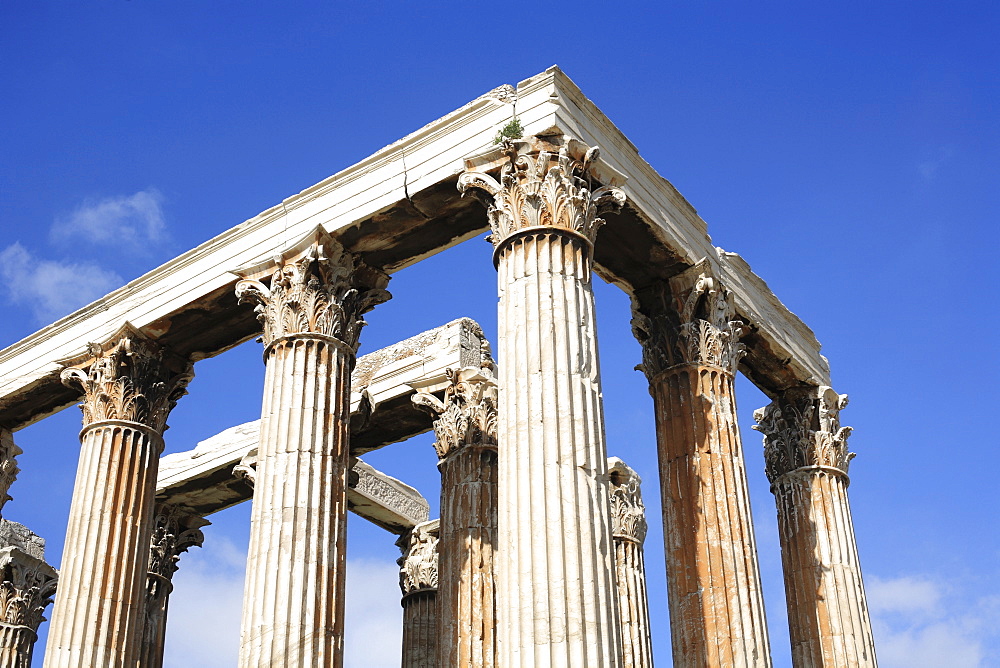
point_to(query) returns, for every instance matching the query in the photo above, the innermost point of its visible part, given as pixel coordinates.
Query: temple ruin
(537, 558)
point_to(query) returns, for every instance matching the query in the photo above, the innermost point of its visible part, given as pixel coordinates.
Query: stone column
(558, 601)
(311, 308)
(129, 384)
(418, 580)
(27, 585)
(465, 427)
(805, 451)
(174, 531)
(628, 526)
(690, 354)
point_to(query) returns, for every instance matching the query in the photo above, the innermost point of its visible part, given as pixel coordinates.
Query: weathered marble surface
(395, 215)
(807, 459)
(381, 412)
(557, 605)
(691, 348)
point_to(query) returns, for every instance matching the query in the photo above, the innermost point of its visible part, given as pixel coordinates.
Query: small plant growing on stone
(512, 130)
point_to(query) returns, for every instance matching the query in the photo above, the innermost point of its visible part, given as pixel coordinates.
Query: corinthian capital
(129, 378)
(322, 289)
(468, 413)
(690, 320)
(552, 186)
(175, 529)
(802, 429)
(628, 513)
(418, 567)
(8, 464)
(26, 589)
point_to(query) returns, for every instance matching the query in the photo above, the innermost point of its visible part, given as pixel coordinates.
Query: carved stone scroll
(8, 465)
(130, 384)
(27, 585)
(418, 580)
(806, 457)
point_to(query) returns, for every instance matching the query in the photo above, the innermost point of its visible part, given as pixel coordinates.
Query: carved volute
(418, 567)
(690, 321)
(323, 290)
(8, 464)
(628, 513)
(543, 188)
(27, 586)
(128, 378)
(802, 429)
(468, 413)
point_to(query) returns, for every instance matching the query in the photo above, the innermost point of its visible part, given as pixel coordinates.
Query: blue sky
(847, 151)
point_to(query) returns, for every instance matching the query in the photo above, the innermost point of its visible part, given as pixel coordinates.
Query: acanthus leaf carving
(468, 413)
(418, 567)
(247, 468)
(543, 189)
(324, 290)
(8, 464)
(175, 530)
(129, 378)
(27, 586)
(802, 428)
(691, 321)
(628, 513)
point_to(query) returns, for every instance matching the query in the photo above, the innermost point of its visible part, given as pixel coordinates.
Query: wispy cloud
(133, 222)
(51, 289)
(204, 619)
(920, 622)
(933, 160)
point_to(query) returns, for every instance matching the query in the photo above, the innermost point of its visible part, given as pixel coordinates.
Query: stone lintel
(393, 215)
(381, 413)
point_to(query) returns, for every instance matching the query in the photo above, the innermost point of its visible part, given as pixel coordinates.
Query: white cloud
(52, 289)
(204, 616)
(920, 623)
(133, 222)
(374, 633)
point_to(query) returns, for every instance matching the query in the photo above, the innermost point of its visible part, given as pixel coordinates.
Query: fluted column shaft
(310, 311)
(16, 646)
(714, 592)
(807, 462)
(420, 629)
(97, 620)
(554, 533)
(690, 353)
(466, 593)
(465, 427)
(628, 523)
(293, 611)
(557, 604)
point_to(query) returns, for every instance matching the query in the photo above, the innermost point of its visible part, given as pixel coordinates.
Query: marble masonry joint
(556, 602)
